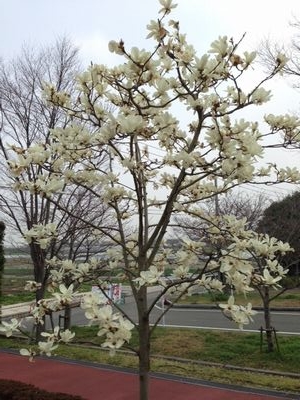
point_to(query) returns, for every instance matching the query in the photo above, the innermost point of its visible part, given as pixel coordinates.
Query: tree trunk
(67, 317)
(144, 344)
(40, 326)
(267, 317)
(38, 260)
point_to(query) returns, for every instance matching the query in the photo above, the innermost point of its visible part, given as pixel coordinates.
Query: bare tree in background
(269, 50)
(77, 210)
(238, 204)
(26, 120)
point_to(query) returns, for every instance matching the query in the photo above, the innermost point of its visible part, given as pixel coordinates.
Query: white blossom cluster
(115, 328)
(32, 286)
(287, 125)
(9, 327)
(240, 314)
(70, 271)
(112, 325)
(237, 262)
(48, 346)
(63, 297)
(41, 234)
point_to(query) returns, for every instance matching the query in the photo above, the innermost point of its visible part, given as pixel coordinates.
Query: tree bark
(1, 292)
(144, 344)
(67, 317)
(39, 276)
(267, 318)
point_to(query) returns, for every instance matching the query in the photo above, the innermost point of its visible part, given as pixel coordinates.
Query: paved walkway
(94, 381)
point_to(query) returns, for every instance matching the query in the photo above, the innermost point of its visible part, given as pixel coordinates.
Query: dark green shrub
(15, 390)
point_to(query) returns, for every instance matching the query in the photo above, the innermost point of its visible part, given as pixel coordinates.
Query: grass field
(16, 272)
(19, 269)
(241, 348)
(217, 356)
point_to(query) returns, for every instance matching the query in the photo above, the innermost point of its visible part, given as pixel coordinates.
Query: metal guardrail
(16, 310)
(22, 310)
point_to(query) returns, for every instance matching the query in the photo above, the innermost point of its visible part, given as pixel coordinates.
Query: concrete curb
(214, 307)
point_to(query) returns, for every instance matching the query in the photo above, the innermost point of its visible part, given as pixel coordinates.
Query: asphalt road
(284, 322)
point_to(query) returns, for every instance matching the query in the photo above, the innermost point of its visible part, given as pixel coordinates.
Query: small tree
(142, 90)
(269, 274)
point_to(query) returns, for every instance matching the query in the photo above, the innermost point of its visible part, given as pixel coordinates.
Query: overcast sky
(90, 24)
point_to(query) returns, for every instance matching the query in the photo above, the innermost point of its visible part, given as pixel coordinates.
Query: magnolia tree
(167, 181)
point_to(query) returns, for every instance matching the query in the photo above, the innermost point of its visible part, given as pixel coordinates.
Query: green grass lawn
(18, 270)
(198, 347)
(241, 348)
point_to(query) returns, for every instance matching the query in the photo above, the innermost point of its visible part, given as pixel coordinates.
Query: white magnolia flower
(32, 286)
(91, 302)
(220, 46)
(66, 294)
(230, 307)
(270, 280)
(52, 336)
(115, 338)
(130, 123)
(239, 314)
(66, 336)
(28, 353)
(260, 96)
(157, 31)
(47, 347)
(9, 327)
(167, 6)
(249, 57)
(240, 318)
(149, 277)
(249, 312)
(281, 60)
(115, 47)
(216, 284)
(181, 272)
(106, 319)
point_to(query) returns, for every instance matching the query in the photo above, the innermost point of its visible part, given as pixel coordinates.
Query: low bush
(15, 390)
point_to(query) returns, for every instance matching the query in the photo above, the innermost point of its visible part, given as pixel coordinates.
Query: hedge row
(15, 390)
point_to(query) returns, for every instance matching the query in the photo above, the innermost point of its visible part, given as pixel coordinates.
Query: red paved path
(95, 383)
